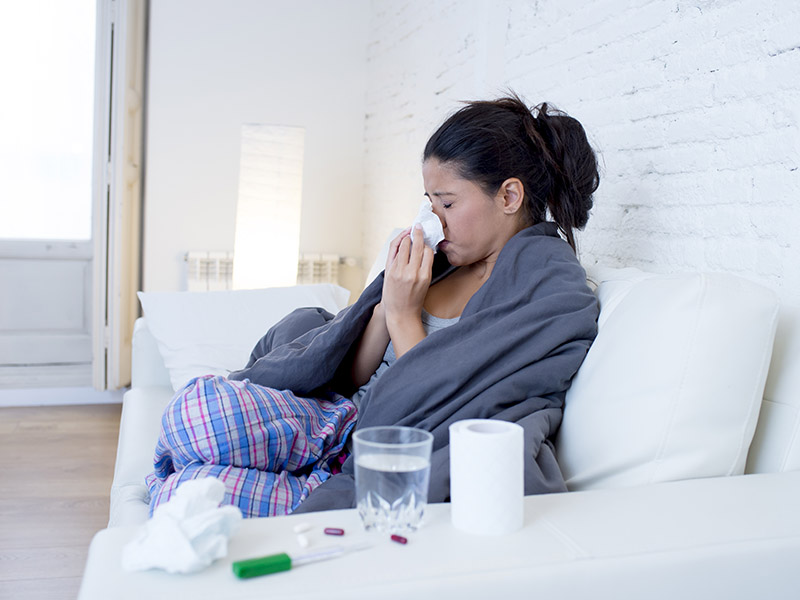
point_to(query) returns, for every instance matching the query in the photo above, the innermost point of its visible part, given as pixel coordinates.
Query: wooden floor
(56, 467)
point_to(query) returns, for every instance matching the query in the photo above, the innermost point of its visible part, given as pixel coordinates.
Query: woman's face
(476, 225)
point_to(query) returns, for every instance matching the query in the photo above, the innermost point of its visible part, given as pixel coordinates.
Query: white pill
(302, 540)
(302, 527)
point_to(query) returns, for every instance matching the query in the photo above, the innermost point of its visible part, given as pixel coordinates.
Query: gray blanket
(511, 356)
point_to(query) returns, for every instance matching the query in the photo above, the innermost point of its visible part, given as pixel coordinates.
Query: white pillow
(672, 386)
(201, 333)
(380, 261)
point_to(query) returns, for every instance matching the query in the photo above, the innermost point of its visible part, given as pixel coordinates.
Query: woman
(495, 325)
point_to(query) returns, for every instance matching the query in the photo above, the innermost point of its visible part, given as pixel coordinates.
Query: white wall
(695, 109)
(693, 106)
(215, 65)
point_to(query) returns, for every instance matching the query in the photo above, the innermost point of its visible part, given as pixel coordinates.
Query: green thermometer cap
(255, 567)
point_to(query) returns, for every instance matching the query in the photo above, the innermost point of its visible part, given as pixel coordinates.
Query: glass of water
(393, 466)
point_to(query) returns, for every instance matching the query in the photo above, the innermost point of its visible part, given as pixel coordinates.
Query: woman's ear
(511, 193)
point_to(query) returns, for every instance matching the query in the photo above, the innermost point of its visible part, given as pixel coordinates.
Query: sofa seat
(732, 538)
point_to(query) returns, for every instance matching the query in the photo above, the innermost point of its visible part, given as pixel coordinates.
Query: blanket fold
(511, 356)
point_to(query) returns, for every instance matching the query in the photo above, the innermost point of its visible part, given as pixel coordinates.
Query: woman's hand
(406, 281)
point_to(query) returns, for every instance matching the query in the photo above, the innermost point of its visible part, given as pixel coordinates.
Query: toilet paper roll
(486, 476)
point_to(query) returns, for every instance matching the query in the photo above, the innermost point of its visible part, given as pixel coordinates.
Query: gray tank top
(429, 324)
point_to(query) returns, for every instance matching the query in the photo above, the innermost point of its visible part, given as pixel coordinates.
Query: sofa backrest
(147, 364)
(775, 444)
(672, 386)
(201, 333)
(626, 387)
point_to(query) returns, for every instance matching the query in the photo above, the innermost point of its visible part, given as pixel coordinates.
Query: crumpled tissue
(431, 225)
(187, 533)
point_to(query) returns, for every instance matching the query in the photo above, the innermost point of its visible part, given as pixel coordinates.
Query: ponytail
(491, 141)
(573, 167)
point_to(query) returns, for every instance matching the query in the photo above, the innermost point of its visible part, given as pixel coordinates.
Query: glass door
(47, 57)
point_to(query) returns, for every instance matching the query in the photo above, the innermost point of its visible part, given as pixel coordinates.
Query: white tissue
(187, 533)
(487, 483)
(431, 225)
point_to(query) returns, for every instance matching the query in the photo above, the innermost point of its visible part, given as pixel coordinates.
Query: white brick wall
(694, 108)
(423, 57)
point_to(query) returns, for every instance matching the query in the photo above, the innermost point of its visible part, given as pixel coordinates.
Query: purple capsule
(399, 539)
(333, 531)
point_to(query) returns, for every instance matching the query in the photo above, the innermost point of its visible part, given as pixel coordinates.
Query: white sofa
(680, 442)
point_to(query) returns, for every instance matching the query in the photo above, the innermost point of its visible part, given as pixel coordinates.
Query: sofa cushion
(776, 444)
(672, 386)
(202, 333)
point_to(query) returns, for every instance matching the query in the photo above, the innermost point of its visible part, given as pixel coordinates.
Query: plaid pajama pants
(270, 448)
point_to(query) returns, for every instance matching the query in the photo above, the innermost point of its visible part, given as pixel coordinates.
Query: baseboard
(20, 377)
(58, 396)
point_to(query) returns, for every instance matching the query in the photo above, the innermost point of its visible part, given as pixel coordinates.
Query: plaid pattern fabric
(270, 448)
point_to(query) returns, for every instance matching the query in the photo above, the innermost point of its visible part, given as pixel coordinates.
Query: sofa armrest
(140, 426)
(142, 407)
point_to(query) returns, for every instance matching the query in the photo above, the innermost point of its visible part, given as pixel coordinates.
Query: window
(267, 240)
(47, 54)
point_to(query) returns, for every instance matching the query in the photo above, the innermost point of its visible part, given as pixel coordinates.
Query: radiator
(211, 271)
(318, 268)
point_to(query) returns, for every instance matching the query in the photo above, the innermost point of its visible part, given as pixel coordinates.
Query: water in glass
(392, 490)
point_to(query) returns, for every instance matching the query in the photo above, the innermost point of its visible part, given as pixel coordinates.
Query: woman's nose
(439, 212)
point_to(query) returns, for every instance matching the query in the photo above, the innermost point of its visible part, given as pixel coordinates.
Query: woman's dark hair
(488, 142)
